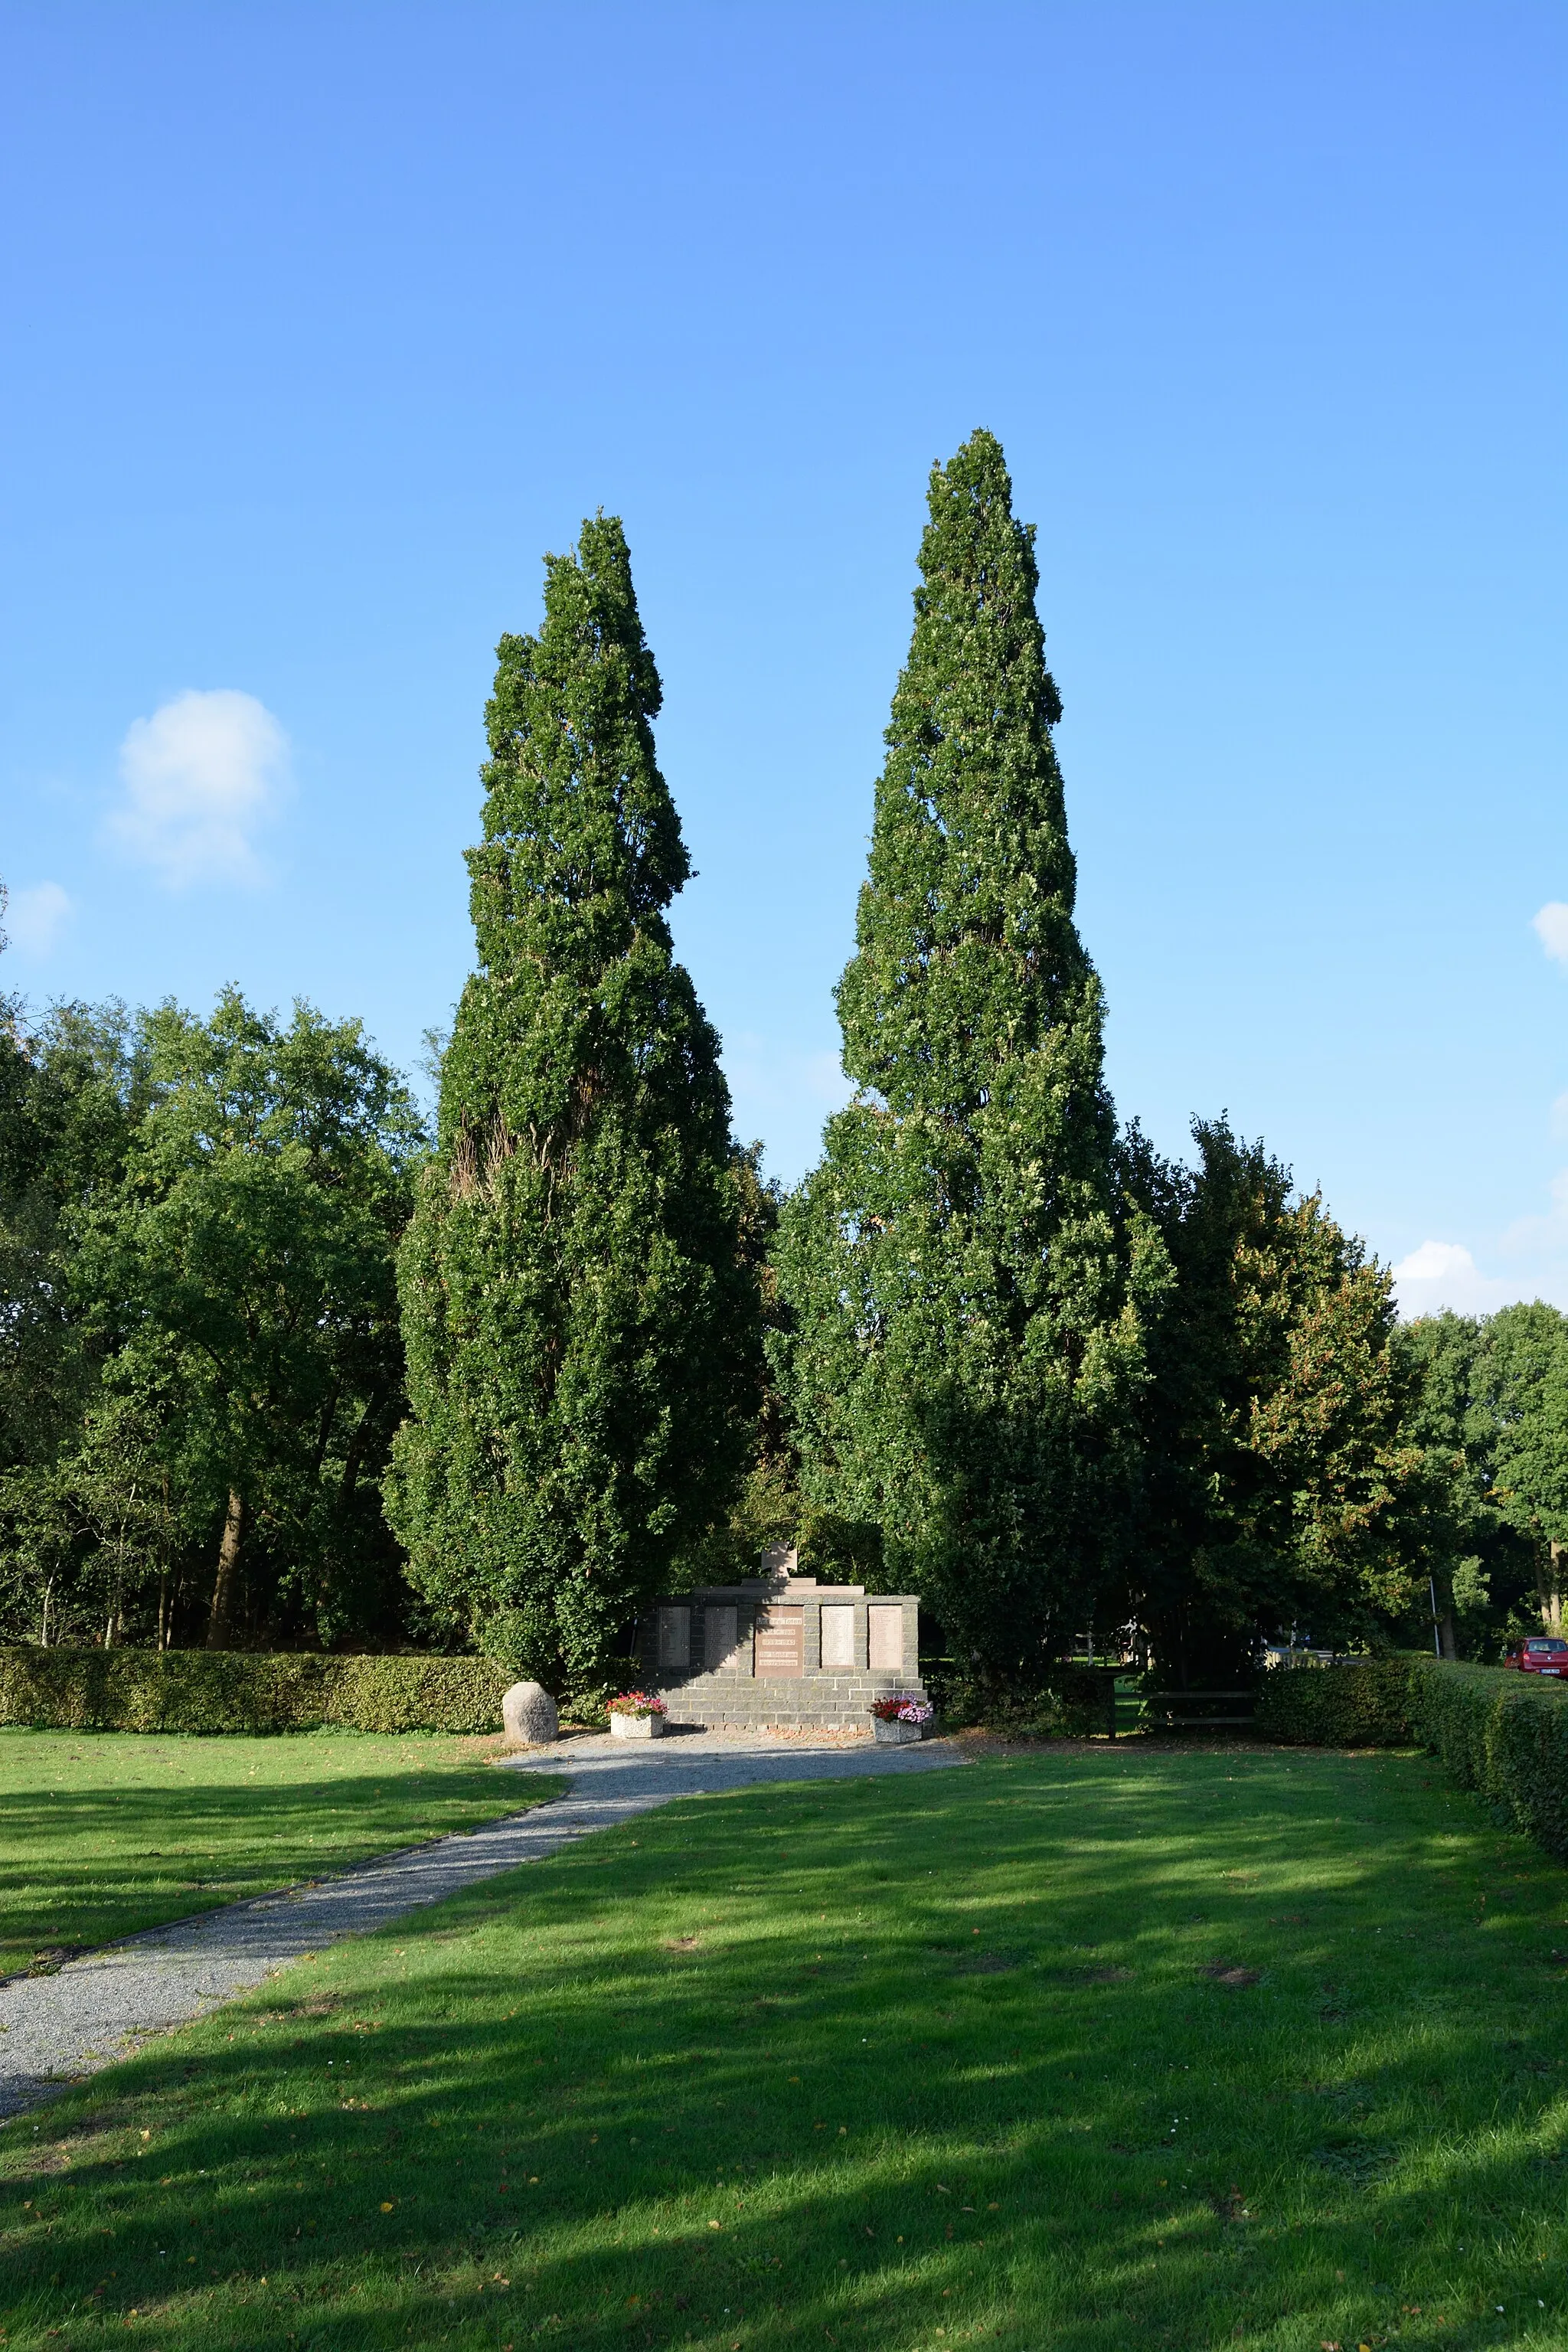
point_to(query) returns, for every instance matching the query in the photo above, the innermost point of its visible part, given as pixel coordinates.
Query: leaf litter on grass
(1231, 1973)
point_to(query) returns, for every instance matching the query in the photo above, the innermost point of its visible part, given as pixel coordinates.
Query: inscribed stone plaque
(674, 1641)
(838, 1638)
(780, 1643)
(885, 1628)
(719, 1636)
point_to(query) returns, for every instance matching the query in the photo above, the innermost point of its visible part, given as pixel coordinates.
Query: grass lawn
(1082, 2051)
(101, 1833)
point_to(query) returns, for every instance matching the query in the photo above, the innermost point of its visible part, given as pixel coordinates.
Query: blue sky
(324, 323)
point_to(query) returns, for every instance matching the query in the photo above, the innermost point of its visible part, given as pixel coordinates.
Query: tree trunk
(1551, 1591)
(227, 1568)
(354, 1453)
(1440, 1585)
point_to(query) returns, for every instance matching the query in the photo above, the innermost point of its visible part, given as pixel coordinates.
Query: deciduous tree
(1520, 1405)
(242, 1286)
(1280, 1478)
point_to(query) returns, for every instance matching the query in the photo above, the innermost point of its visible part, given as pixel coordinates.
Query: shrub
(1504, 1735)
(506, 1641)
(1087, 1697)
(235, 1690)
(1362, 1703)
(1076, 1703)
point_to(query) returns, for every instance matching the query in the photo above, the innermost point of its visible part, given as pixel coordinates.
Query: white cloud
(1551, 928)
(1444, 1274)
(1547, 1234)
(1534, 1250)
(202, 776)
(1435, 1261)
(33, 917)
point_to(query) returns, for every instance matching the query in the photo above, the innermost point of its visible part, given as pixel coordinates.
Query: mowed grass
(101, 1833)
(1080, 2050)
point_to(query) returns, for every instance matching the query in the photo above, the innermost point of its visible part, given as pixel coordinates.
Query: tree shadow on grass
(82, 1867)
(859, 2062)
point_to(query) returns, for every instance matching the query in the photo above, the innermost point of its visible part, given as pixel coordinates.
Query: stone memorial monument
(528, 1716)
(780, 1652)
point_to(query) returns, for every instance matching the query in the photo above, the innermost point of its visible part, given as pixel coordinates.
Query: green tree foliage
(1520, 1407)
(765, 1506)
(1280, 1482)
(244, 1280)
(227, 1198)
(72, 1088)
(965, 1296)
(582, 1328)
(96, 1533)
(247, 1274)
(771, 1507)
(1482, 1568)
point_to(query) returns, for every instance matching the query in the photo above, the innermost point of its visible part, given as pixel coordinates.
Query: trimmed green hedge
(1504, 1735)
(237, 1690)
(1362, 1703)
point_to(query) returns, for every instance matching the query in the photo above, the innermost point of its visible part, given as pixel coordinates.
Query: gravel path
(55, 2030)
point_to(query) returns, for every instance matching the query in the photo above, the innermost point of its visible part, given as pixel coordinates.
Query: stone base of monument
(731, 1703)
(528, 1716)
(895, 1734)
(636, 1726)
(780, 1652)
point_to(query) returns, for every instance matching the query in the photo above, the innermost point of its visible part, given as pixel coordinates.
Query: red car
(1546, 1656)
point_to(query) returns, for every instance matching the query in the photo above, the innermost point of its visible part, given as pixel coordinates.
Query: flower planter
(895, 1734)
(636, 1726)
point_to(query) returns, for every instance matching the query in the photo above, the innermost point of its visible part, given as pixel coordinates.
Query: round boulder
(528, 1714)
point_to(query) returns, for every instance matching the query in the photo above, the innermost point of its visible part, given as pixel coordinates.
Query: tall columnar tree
(964, 1290)
(582, 1329)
